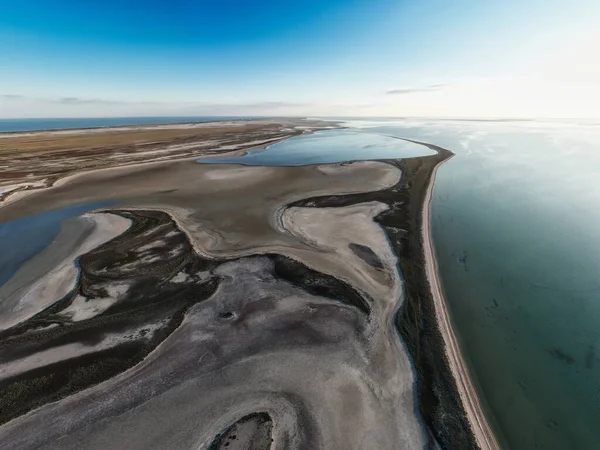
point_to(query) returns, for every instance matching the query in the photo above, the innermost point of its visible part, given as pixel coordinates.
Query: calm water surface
(23, 238)
(516, 227)
(328, 147)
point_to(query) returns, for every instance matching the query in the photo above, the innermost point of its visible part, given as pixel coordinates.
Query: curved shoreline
(481, 431)
(17, 189)
(22, 192)
(412, 223)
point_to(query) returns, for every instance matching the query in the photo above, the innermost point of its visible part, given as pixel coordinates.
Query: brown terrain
(32, 160)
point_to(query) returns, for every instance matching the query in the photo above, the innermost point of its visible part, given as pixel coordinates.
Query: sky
(341, 58)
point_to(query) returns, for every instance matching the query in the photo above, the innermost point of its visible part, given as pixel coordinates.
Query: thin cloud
(433, 87)
(245, 108)
(75, 101)
(86, 101)
(98, 101)
(182, 108)
(254, 105)
(276, 105)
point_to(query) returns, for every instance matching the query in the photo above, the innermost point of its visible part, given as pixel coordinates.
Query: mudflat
(37, 159)
(227, 306)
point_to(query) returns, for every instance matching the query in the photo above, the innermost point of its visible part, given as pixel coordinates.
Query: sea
(516, 230)
(58, 124)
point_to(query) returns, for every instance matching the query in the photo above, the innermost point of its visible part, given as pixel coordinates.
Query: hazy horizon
(314, 116)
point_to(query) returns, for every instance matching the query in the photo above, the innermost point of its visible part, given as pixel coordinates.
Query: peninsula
(278, 306)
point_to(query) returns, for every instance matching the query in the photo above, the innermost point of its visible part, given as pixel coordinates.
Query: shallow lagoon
(21, 239)
(329, 147)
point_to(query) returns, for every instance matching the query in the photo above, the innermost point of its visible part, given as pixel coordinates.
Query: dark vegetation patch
(251, 432)
(317, 283)
(366, 254)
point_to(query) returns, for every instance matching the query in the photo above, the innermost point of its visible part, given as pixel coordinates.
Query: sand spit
(483, 434)
(259, 303)
(440, 402)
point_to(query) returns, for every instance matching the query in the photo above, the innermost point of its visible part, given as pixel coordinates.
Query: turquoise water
(328, 147)
(516, 228)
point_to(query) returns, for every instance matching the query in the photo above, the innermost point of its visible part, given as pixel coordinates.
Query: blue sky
(334, 57)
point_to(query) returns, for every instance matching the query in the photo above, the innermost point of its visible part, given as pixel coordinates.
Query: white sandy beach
(481, 431)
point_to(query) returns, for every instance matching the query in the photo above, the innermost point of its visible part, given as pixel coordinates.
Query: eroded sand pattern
(213, 307)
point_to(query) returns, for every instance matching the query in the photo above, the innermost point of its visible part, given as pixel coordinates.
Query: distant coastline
(21, 125)
(129, 145)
